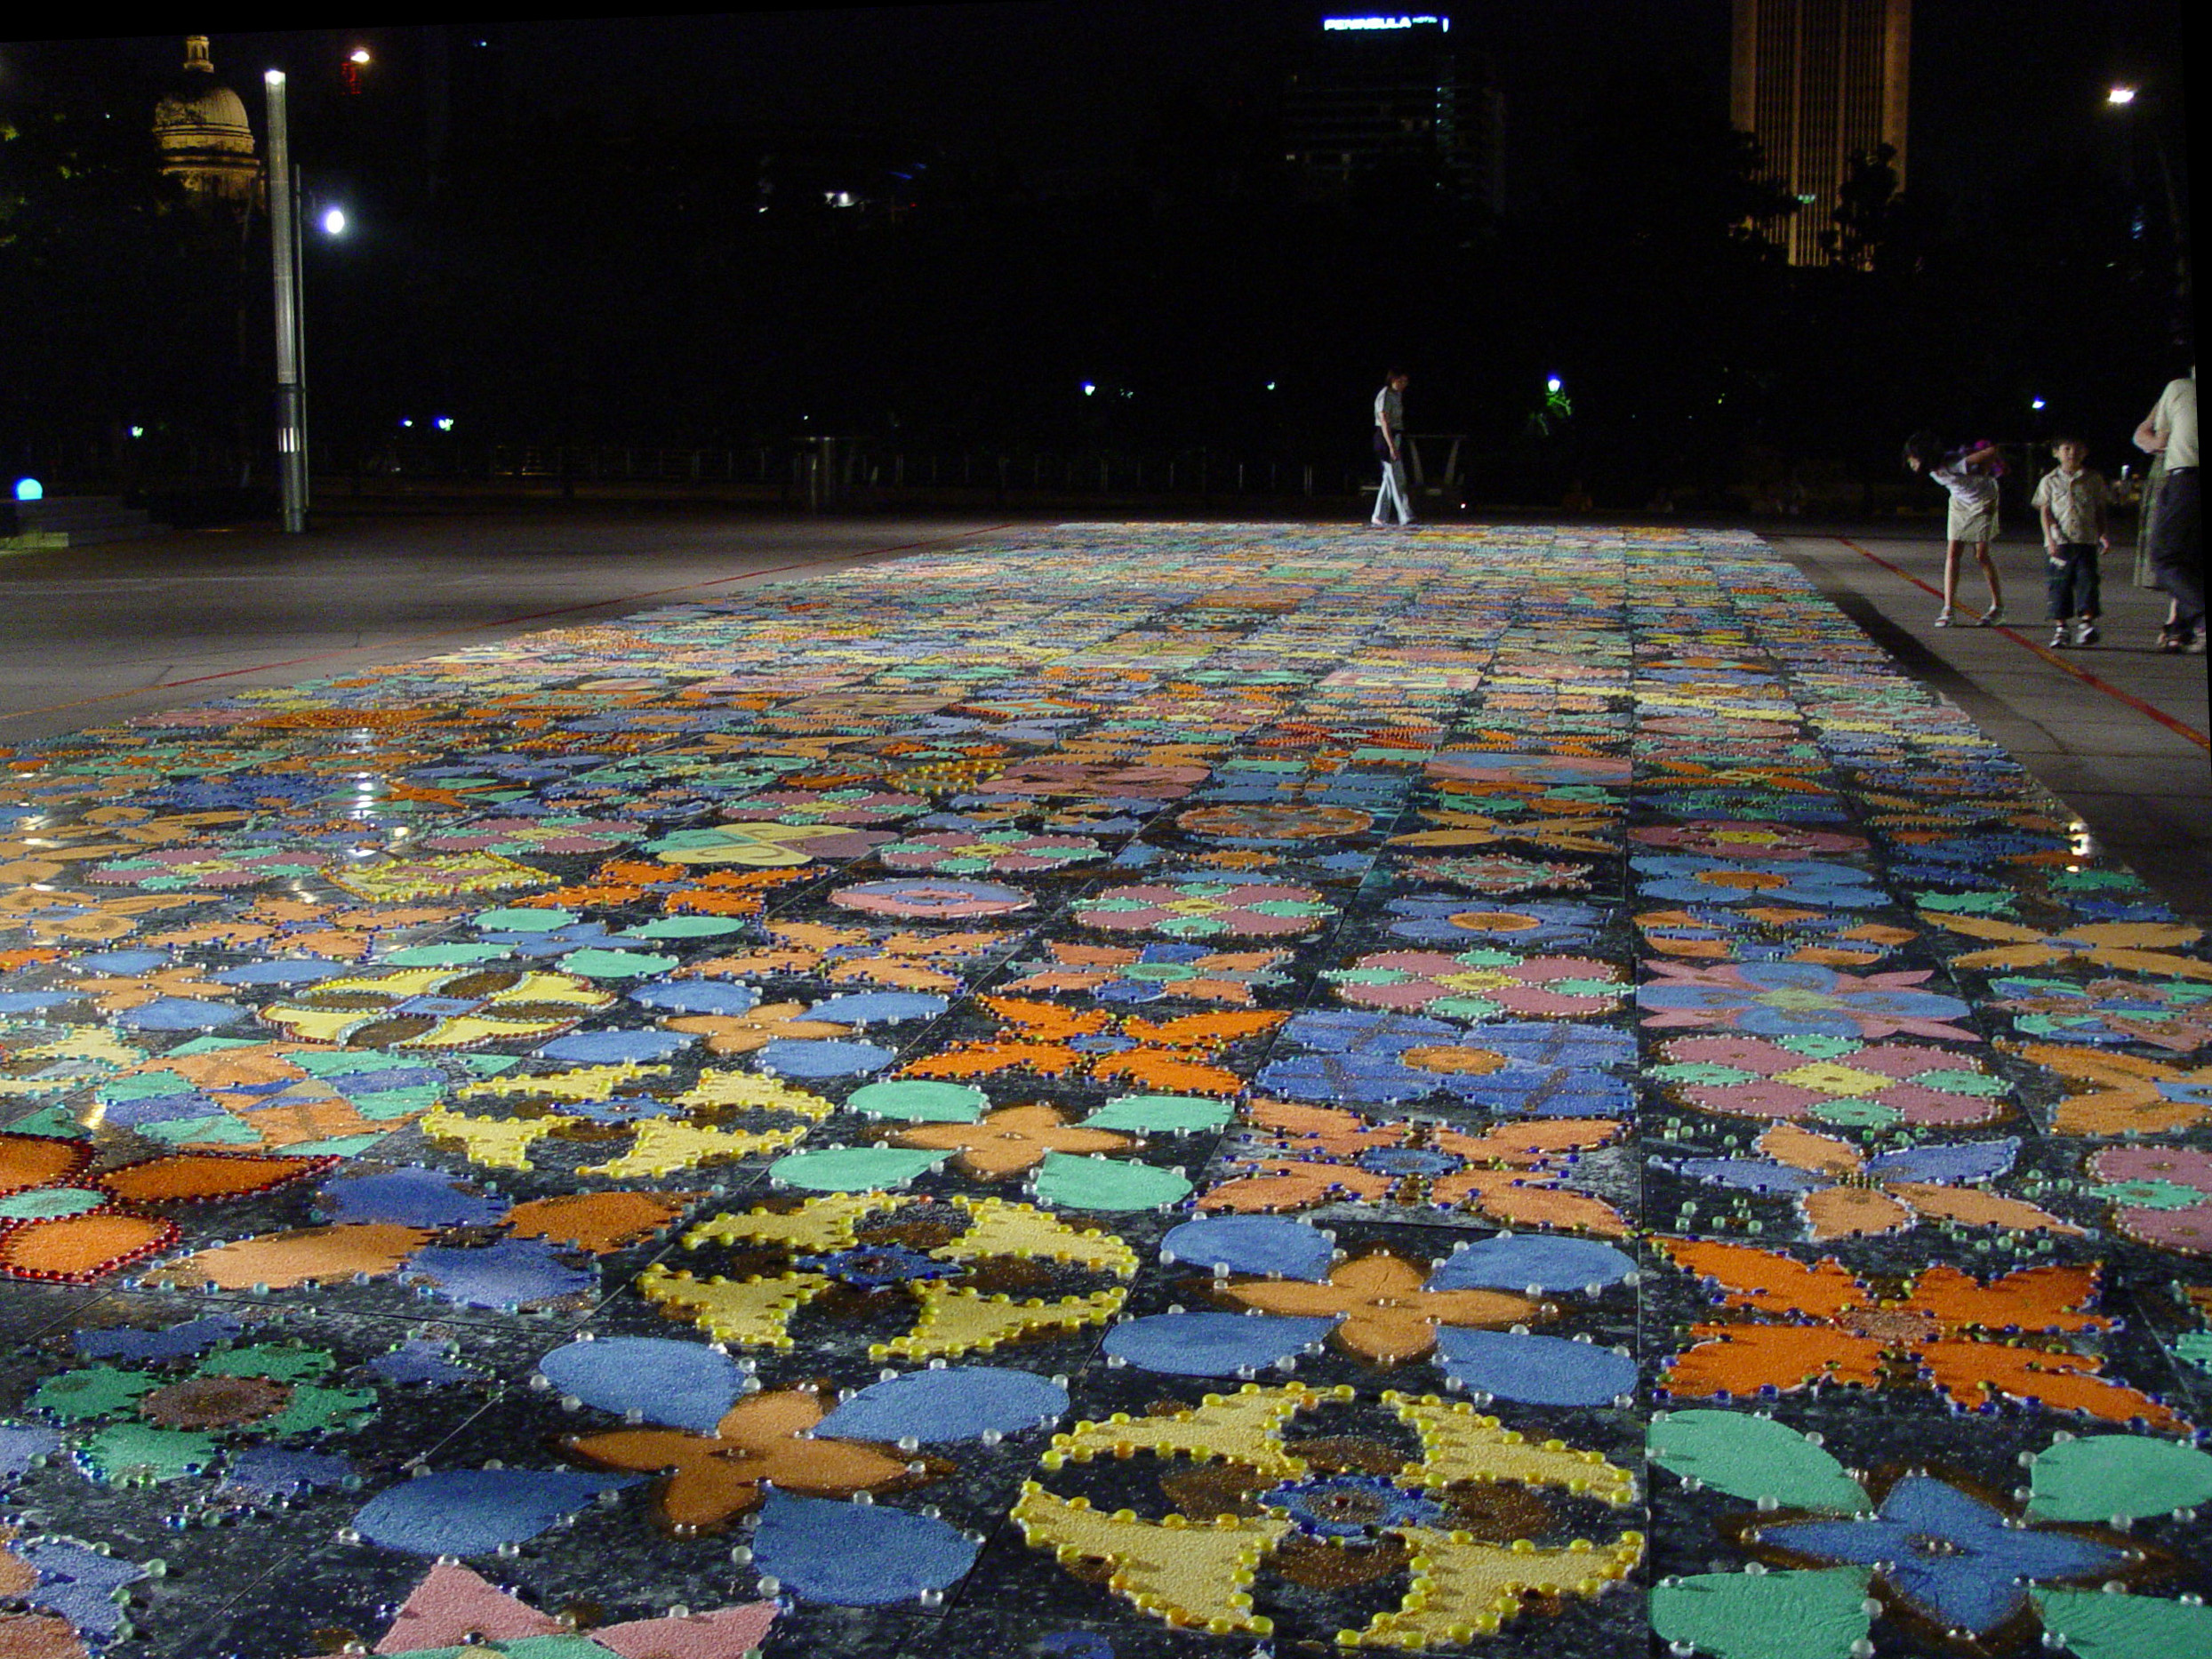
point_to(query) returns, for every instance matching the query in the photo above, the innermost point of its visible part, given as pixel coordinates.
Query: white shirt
(1970, 489)
(1390, 409)
(2177, 417)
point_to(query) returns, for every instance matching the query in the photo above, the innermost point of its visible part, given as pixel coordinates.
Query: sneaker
(2060, 639)
(2085, 632)
(2172, 642)
(1991, 618)
(1379, 524)
(1942, 617)
(2195, 648)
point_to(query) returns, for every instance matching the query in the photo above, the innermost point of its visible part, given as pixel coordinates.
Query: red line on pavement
(2052, 657)
(505, 622)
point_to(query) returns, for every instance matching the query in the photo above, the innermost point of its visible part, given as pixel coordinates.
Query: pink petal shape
(725, 1633)
(444, 1608)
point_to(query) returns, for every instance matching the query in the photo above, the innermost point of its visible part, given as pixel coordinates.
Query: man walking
(2178, 538)
(1389, 433)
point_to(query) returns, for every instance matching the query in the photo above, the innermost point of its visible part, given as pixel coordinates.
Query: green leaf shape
(1963, 1083)
(1699, 1072)
(1101, 1183)
(917, 1100)
(2108, 1475)
(313, 1410)
(138, 1451)
(1821, 1047)
(1966, 903)
(56, 1123)
(1159, 1114)
(1857, 1113)
(1753, 1457)
(2098, 1626)
(685, 927)
(2148, 1194)
(617, 964)
(220, 1129)
(852, 1168)
(445, 956)
(49, 1202)
(93, 1391)
(2196, 1348)
(1814, 1614)
(524, 921)
(261, 1359)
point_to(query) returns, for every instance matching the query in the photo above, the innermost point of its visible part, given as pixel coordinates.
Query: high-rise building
(1371, 97)
(1816, 81)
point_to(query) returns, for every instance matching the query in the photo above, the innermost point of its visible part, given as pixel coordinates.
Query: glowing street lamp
(334, 223)
(360, 54)
(2120, 95)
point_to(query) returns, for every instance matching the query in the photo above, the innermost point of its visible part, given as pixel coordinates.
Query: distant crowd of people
(2072, 501)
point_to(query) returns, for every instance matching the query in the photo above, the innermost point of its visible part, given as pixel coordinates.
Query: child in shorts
(1970, 477)
(2071, 500)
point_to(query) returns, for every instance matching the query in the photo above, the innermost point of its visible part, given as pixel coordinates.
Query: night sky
(1068, 90)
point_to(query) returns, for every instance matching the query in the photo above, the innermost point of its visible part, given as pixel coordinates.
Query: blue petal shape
(1335, 1032)
(804, 1057)
(697, 996)
(174, 1341)
(32, 1001)
(1958, 1160)
(510, 1274)
(274, 1471)
(856, 1556)
(868, 1008)
(958, 1403)
(421, 1360)
(80, 1585)
(410, 1196)
(1520, 1261)
(614, 1048)
(121, 961)
(178, 1013)
(281, 971)
(1547, 1091)
(1555, 1043)
(1212, 1344)
(468, 1512)
(1751, 1175)
(1535, 1370)
(1252, 1244)
(685, 1385)
(18, 1445)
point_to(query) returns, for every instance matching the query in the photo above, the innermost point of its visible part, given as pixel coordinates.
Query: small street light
(2120, 95)
(334, 221)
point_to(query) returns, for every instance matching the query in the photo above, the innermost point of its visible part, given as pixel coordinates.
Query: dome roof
(202, 113)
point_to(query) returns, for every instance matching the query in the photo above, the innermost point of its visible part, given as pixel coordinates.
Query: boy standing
(2071, 500)
(1971, 480)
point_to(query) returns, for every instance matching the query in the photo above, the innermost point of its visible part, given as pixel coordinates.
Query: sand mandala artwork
(1114, 1092)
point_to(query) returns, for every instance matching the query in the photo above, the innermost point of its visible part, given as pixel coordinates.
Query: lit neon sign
(1337, 24)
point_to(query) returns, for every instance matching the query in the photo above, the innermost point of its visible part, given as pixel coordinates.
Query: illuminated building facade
(1392, 95)
(1815, 81)
(206, 142)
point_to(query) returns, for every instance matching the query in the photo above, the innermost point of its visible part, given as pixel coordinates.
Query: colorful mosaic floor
(1131, 1093)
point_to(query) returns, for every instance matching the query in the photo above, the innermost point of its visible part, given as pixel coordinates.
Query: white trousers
(1392, 494)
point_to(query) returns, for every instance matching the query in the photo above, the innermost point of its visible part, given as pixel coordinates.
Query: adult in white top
(1390, 432)
(2177, 531)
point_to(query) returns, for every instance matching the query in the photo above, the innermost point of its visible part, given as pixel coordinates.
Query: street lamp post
(2123, 98)
(291, 461)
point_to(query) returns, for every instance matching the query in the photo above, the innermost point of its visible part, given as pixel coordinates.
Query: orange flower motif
(116, 994)
(742, 1033)
(2140, 947)
(1972, 1342)
(709, 1479)
(1052, 1041)
(1010, 1140)
(1302, 1156)
(2127, 1094)
(848, 955)
(1388, 1316)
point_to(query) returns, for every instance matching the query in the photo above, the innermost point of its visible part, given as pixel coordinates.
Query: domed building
(205, 140)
